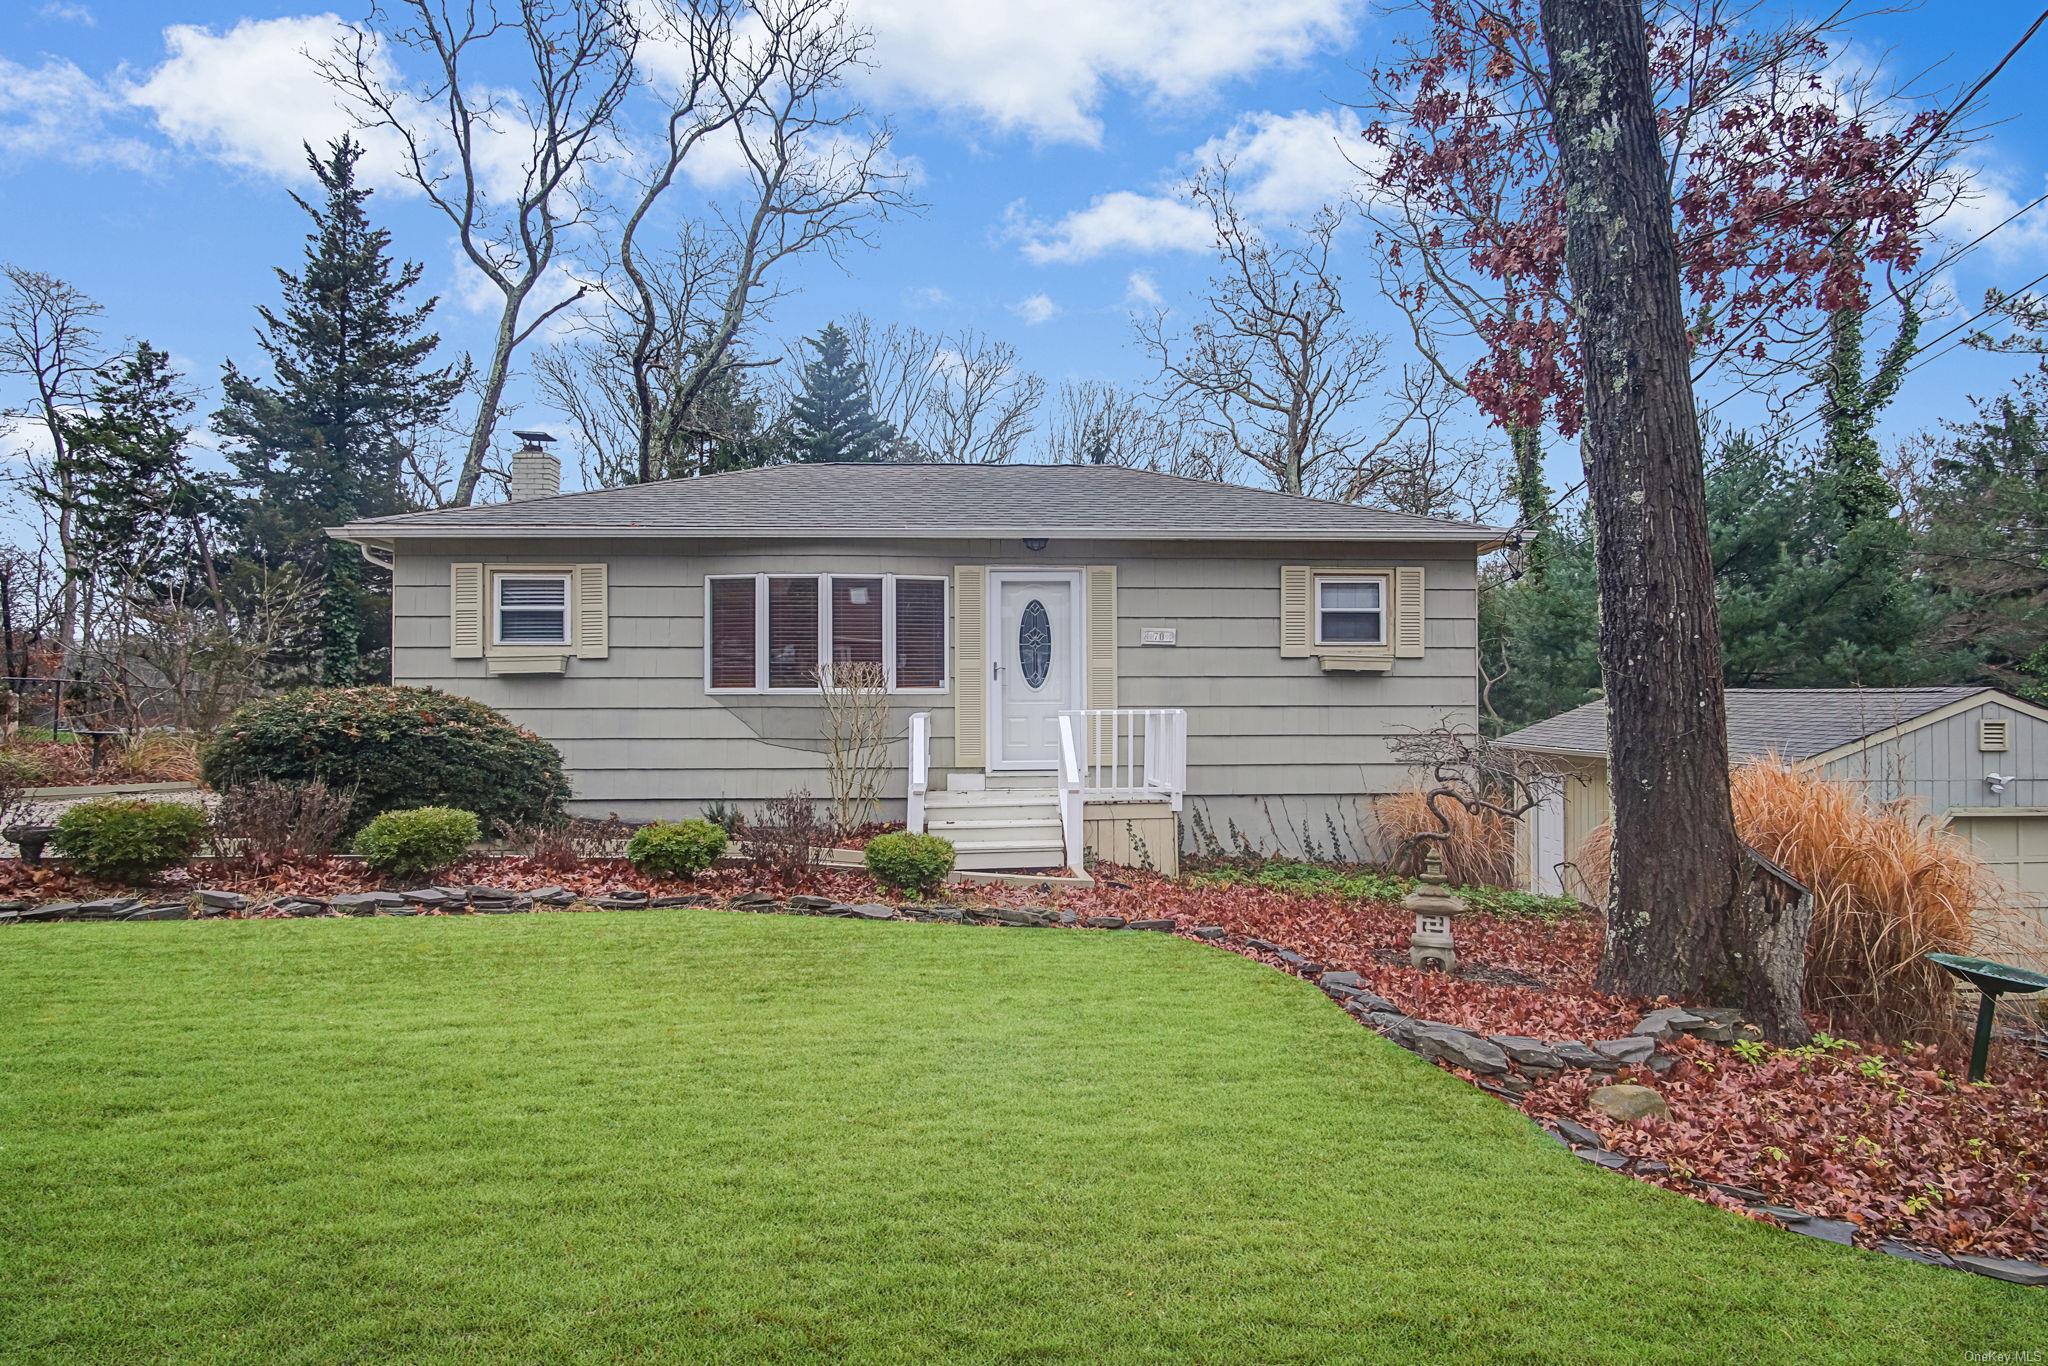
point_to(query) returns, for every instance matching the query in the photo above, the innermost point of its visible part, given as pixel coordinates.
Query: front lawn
(693, 1135)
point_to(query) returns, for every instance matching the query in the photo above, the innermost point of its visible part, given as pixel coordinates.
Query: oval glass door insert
(1034, 644)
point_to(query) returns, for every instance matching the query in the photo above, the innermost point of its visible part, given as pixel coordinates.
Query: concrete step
(994, 828)
(1002, 855)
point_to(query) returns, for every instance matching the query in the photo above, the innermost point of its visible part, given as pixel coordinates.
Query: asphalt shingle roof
(1792, 723)
(929, 500)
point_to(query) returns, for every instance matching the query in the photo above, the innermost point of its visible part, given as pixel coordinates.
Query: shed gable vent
(1994, 736)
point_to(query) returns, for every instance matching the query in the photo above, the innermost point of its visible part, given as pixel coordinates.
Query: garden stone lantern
(1434, 905)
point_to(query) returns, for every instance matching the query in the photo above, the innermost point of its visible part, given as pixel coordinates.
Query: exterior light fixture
(1997, 781)
(1434, 905)
(1034, 542)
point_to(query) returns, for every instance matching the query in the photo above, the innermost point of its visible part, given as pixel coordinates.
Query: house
(1076, 654)
(1973, 756)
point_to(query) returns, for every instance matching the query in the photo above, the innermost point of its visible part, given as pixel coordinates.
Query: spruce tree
(834, 418)
(352, 390)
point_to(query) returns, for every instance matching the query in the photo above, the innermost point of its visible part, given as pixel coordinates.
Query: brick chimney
(535, 472)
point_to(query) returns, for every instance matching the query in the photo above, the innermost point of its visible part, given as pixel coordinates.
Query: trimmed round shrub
(127, 840)
(411, 843)
(916, 865)
(397, 748)
(676, 848)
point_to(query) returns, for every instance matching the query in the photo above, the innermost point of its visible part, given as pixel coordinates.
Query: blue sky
(146, 148)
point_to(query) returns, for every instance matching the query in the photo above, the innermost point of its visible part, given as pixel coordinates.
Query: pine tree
(142, 514)
(352, 390)
(1985, 542)
(834, 418)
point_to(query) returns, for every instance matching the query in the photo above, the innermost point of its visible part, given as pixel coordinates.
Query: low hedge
(398, 748)
(915, 865)
(413, 843)
(676, 848)
(127, 840)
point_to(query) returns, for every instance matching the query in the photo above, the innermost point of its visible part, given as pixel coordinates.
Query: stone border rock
(1505, 1064)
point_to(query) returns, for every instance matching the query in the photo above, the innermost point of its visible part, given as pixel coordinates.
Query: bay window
(774, 632)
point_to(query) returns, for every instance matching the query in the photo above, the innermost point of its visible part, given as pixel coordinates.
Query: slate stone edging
(1497, 1059)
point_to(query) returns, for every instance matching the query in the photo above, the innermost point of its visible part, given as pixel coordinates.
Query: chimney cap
(535, 438)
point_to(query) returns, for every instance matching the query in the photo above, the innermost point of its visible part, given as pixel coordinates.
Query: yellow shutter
(1408, 612)
(1295, 638)
(970, 666)
(466, 611)
(1101, 671)
(593, 612)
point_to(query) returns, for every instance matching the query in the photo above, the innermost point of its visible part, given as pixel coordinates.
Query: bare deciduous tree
(962, 398)
(767, 77)
(1094, 422)
(49, 337)
(458, 127)
(1274, 362)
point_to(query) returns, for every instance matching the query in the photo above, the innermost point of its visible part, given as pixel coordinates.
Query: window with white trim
(529, 609)
(1351, 611)
(771, 632)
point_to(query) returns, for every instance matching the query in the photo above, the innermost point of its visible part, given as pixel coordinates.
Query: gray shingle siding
(1273, 742)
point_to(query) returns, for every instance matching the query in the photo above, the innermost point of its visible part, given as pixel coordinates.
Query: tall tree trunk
(1532, 500)
(1677, 918)
(495, 375)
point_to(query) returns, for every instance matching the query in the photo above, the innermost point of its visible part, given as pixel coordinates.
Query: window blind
(920, 633)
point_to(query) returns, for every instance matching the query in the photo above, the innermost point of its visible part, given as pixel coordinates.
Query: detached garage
(1974, 756)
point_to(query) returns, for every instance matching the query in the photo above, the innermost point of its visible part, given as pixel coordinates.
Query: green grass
(696, 1136)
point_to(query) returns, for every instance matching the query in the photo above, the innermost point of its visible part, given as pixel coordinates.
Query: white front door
(1035, 656)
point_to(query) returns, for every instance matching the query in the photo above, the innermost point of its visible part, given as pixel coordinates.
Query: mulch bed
(1887, 1138)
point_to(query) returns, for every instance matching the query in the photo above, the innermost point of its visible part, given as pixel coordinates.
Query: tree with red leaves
(1604, 205)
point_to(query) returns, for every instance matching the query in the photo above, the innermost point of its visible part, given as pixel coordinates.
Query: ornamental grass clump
(125, 840)
(1889, 885)
(414, 843)
(1480, 851)
(675, 848)
(914, 865)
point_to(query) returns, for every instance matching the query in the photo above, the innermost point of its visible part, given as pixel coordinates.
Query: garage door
(2016, 847)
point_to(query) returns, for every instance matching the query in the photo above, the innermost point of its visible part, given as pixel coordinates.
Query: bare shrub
(268, 824)
(856, 700)
(787, 837)
(564, 846)
(1889, 886)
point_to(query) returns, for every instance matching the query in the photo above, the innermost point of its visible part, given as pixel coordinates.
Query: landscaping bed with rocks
(1883, 1146)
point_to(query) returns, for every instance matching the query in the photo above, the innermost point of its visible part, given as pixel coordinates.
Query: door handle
(995, 670)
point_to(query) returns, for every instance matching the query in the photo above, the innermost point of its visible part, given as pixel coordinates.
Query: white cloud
(68, 13)
(1289, 165)
(1140, 288)
(1283, 167)
(1043, 66)
(1123, 220)
(1035, 309)
(56, 111)
(926, 296)
(1991, 195)
(250, 97)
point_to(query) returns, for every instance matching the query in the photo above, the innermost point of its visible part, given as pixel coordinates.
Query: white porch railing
(920, 771)
(1072, 798)
(1131, 753)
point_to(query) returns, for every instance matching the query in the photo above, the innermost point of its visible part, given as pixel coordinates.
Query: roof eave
(1481, 538)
